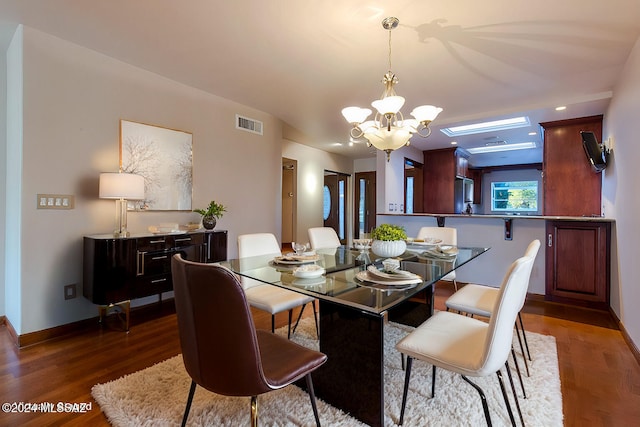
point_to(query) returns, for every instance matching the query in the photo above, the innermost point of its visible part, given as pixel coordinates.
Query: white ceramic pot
(388, 249)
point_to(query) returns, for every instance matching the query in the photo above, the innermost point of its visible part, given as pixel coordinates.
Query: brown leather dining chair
(237, 360)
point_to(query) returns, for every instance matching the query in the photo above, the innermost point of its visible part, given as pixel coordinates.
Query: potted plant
(388, 240)
(211, 215)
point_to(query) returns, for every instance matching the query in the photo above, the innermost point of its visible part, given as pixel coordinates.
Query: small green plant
(388, 232)
(214, 209)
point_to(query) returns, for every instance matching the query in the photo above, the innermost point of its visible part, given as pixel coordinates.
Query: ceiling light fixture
(494, 125)
(494, 148)
(389, 130)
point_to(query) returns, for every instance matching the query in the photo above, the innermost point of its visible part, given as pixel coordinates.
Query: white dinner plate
(366, 276)
(395, 276)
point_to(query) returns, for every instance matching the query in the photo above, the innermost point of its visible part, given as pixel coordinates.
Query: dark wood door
(578, 259)
(365, 203)
(571, 187)
(331, 201)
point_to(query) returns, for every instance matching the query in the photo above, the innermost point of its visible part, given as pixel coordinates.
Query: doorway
(365, 203)
(413, 186)
(334, 208)
(289, 199)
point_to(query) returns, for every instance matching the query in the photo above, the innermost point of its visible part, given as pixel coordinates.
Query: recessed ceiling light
(533, 133)
(560, 108)
(494, 125)
(502, 147)
(454, 142)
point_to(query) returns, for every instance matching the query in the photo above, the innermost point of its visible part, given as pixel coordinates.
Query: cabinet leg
(118, 307)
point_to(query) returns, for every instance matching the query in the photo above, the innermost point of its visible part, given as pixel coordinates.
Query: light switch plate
(55, 201)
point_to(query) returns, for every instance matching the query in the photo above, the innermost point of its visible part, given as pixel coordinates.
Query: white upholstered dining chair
(480, 300)
(469, 346)
(449, 236)
(323, 238)
(263, 296)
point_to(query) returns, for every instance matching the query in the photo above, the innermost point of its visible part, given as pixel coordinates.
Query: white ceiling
(303, 61)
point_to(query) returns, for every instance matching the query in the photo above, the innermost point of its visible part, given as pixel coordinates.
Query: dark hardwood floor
(599, 374)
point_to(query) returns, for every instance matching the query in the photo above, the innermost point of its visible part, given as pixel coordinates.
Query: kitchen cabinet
(441, 170)
(571, 188)
(578, 263)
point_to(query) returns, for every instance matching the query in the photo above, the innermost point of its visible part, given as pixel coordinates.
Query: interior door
(365, 203)
(288, 199)
(334, 202)
(413, 187)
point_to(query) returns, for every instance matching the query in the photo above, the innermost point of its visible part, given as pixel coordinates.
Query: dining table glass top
(344, 269)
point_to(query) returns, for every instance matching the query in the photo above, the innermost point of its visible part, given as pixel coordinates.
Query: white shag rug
(156, 396)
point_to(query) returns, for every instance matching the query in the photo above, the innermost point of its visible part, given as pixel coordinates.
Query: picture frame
(164, 158)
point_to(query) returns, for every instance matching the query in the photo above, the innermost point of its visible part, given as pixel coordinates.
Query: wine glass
(299, 248)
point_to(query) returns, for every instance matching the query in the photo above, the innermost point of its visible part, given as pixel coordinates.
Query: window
(514, 196)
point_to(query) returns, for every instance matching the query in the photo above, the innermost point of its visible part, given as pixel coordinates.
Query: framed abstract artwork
(164, 158)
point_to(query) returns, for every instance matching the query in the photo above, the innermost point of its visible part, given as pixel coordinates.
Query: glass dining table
(352, 314)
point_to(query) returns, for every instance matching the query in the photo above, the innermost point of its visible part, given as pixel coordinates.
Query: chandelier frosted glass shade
(389, 130)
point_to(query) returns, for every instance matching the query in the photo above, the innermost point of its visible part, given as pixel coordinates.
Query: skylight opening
(503, 147)
(494, 125)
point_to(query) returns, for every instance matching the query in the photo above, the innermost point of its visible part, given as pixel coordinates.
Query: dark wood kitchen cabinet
(578, 263)
(571, 187)
(122, 269)
(441, 169)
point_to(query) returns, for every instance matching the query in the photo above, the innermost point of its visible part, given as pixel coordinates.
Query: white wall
(311, 166)
(619, 194)
(73, 101)
(13, 221)
(3, 166)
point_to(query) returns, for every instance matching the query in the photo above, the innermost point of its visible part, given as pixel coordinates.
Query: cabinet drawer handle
(159, 280)
(156, 241)
(155, 258)
(549, 240)
(184, 239)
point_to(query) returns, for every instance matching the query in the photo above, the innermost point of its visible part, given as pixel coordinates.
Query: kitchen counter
(505, 216)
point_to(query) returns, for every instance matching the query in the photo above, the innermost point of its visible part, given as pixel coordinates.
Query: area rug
(156, 396)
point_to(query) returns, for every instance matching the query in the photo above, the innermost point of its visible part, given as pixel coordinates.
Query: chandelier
(389, 130)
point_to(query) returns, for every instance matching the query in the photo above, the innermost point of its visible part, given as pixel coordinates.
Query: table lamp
(121, 187)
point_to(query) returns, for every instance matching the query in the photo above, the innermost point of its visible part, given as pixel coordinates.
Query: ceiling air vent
(250, 125)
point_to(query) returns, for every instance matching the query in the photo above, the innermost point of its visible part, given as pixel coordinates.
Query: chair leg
(315, 318)
(433, 381)
(515, 361)
(524, 357)
(289, 328)
(455, 285)
(506, 398)
(273, 323)
(254, 411)
(312, 396)
(407, 375)
(524, 335)
(513, 389)
(298, 319)
(192, 390)
(483, 398)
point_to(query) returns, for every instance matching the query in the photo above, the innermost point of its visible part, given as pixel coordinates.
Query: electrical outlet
(70, 291)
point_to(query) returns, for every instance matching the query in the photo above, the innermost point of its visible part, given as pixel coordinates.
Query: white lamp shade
(426, 113)
(114, 185)
(355, 114)
(383, 139)
(388, 104)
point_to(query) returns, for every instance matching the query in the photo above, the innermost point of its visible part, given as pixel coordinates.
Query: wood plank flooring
(600, 377)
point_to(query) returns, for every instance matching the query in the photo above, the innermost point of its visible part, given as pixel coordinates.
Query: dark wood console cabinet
(578, 263)
(122, 269)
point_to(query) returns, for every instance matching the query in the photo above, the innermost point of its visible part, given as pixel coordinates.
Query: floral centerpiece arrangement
(388, 240)
(211, 214)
